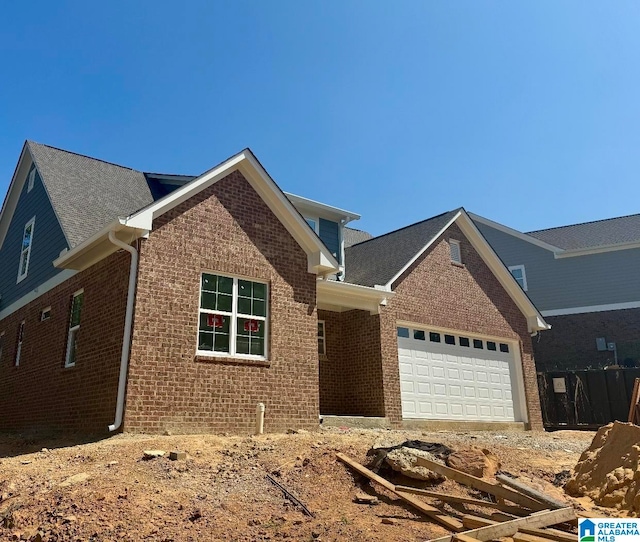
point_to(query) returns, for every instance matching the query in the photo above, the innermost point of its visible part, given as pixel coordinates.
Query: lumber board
(473, 522)
(530, 492)
(464, 538)
(516, 510)
(635, 395)
(509, 528)
(524, 537)
(480, 484)
(449, 522)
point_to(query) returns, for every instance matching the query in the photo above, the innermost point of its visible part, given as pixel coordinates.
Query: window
(504, 348)
(313, 223)
(45, 314)
(74, 327)
(449, 339)
(25, 250)
(434, 337)
(454, 249)
(491, 346)
(477, 343)
(232, 316)
(418, 335)
(403, 332)
(16, 360)
(519, 274)
(31, 181)
(322, 349)
(464, 341)
(1, 344)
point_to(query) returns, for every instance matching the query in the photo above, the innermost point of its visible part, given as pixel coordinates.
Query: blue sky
(525, 112)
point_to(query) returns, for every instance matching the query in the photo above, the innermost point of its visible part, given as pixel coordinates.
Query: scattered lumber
(449, 522)
(509, 528)
(530, 492)
(523, 537)
(633, 407)
(463, 538)
(473, 522)
(482, 485)
(515, 510)
(290, 495)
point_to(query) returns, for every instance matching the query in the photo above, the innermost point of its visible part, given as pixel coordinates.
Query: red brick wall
(41, 394)
(467, 298)
(228, 229)
(571, 341)
(351, 374)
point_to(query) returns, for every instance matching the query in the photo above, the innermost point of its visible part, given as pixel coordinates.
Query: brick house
(152, 302)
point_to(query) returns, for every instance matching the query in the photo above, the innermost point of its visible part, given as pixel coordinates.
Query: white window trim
(42, 313)
(316, 220)
(324, 338)
(524, 275)
(452, 243)
(26, 253)
(233, 324)
(18, 355)
(31, 180)
(73, 331)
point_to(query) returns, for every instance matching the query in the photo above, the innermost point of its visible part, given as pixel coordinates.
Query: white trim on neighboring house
(514, 233)
(520, 267)
(43, 288)
(31, 179)
(319, 259)
(13, 194)
(596, 250)
(25, 254)
(389, 284)
(592, 308)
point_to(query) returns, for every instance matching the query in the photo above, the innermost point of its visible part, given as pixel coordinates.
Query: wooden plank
(473, 522)
(480, 484)
(447, 521)
(634, 400)
(530, 492)
(463, 538)
(516, 510)
(524, 537)
(509, 528)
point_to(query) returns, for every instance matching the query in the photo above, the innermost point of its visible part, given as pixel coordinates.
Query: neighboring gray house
(584, 280)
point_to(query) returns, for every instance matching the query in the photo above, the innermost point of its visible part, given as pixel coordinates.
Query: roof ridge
(405, 227)
(31, 142)
(581, 223)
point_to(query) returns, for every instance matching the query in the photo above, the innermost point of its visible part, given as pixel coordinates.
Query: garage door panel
(468, 376)
(422, 370)
(453, 373)
(469, 391)
(423, 388)
(439, 389)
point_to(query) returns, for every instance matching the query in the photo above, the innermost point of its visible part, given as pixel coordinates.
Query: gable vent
(454, 248)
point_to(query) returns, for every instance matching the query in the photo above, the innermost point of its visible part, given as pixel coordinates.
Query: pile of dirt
(607, 471)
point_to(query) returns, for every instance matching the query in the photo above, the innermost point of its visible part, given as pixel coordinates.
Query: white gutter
(128, 324)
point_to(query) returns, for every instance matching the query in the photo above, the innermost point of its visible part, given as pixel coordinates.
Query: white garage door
(454, 377)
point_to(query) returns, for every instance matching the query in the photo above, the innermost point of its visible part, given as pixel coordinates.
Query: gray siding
(48, 241)
(579, 281)
(330, 236)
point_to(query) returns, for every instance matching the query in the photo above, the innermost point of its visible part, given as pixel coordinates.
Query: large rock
(608, 470)
(474, 461)
(403, 460)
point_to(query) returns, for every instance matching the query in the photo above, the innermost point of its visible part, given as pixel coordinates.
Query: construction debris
(530, 492)
(404, 461)
(608, 471)
(152, 454)
(364, 498)
(290, 496)
(474, 461)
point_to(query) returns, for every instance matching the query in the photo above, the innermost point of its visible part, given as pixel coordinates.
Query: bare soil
(220, 492)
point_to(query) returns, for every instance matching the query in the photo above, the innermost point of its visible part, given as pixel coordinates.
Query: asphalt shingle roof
(612, 231)
(378, 260)
(87, 193)
(352, 236)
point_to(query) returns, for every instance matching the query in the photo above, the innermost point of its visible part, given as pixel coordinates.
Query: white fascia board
(320, 260)
(13, 192)
(592, 308)
(341, 296)
(421, 251)
(597, 250)
(535, 320)
(322, 209)
(514, 233)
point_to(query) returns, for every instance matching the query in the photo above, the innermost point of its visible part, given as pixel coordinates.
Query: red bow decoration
(251, 325)
(215, 320)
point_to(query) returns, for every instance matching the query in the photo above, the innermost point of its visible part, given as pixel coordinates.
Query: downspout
(128, 321)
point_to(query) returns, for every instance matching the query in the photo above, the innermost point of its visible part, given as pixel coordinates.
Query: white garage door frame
(519, 396)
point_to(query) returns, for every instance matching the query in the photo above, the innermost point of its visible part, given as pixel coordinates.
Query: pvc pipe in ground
(259, 418)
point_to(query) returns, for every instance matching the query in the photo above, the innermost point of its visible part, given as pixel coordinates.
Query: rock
(75, 479)
(112, 463)
(177, 456)
(152, 454)
(167, 433)
(69, 519)
(474, 461)
(363, 498)
(403, 460)
(195, 515)
(390, 521)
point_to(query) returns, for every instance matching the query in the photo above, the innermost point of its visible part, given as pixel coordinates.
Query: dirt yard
(105, 490)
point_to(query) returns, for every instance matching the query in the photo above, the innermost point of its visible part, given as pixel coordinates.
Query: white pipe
(128, 321)
(259, 418)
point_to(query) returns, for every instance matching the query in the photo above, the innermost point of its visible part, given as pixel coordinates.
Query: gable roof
(378, 260)
(353, 236)
(106, 190)
(612, 231)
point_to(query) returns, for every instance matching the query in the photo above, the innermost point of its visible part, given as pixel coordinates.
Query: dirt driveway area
(105, 490)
